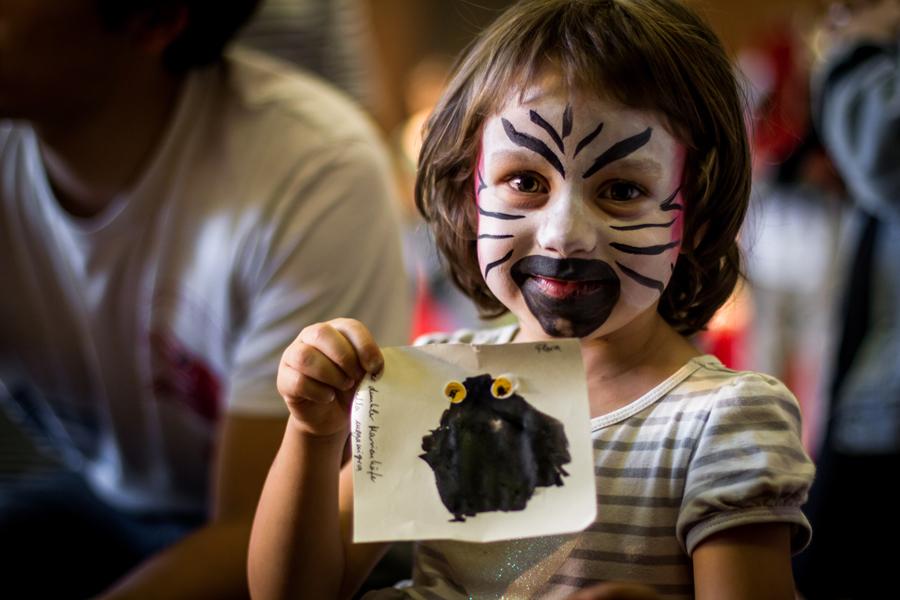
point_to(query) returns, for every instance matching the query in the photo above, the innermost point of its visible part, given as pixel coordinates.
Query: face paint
(570, 297)
(580, 212)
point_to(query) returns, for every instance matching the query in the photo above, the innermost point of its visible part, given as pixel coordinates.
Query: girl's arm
(749, 562)
(301, 545)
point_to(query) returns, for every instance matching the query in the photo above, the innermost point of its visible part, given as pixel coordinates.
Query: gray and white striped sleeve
(748, 465)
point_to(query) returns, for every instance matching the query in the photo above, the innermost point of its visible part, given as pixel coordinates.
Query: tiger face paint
(580, 211)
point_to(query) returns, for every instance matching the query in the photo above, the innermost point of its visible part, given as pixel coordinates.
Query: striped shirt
(706, 450)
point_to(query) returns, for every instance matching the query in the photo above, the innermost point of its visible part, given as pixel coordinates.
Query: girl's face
(580, 211)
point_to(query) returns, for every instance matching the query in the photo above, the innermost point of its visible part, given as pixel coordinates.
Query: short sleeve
(748, 465)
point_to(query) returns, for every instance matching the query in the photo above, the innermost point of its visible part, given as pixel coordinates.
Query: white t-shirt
(265, 208)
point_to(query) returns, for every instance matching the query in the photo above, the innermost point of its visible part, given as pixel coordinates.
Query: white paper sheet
(396, 492)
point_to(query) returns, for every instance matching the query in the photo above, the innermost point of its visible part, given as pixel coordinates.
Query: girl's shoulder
(498, 335)
(704, 391)
(722, 388)
(745, 462)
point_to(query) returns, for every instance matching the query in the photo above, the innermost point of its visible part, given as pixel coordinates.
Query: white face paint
(580, 211)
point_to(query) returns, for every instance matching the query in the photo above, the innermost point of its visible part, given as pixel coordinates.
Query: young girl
(587, 169)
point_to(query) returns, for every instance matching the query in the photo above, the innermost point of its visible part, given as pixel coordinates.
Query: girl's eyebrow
(646, 167)
(619, 150)
(514, 156)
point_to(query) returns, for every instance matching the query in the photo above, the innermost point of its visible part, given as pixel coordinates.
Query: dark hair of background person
(655, 55)
(211, 24)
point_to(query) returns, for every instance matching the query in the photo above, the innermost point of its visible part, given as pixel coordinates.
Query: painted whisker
(497, 263)
(642, 226)
(644, 250)
(499, 215)
(481, 184)
(642, 279)
(669, 204)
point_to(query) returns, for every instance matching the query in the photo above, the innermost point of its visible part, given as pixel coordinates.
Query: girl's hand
(320, 372)
(617, 591)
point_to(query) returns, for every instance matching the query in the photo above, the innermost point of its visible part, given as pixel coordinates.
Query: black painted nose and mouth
(570, 297)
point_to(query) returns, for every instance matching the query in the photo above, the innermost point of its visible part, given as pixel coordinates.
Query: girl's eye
(526, 184)
(622, 191)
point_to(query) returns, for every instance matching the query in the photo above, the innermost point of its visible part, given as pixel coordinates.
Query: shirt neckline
(187, 105)
(654, 395)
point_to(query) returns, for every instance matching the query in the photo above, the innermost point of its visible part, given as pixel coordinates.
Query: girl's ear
(155, 29)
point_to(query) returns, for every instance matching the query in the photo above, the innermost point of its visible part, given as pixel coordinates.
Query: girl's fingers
(302, 364)
(367, 351)
(349, 344)
(295, 386)
(327, 358)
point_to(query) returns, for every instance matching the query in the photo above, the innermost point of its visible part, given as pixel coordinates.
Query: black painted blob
(491, 453)
(579, 313)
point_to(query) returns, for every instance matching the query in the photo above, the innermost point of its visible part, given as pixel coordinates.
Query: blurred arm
(211, 562)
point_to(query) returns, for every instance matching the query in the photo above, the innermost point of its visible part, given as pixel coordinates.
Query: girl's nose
(569, 227)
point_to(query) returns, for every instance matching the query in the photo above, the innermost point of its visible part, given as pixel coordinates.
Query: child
(587, 169)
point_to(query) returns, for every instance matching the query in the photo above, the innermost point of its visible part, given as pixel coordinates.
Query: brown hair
(655, 55)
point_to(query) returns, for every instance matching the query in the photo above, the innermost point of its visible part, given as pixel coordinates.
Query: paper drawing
(473, 443)
(492, 448)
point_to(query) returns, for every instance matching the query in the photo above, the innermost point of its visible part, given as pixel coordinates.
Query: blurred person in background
(169, 219)
(791, 233)
(332, 38)
(851, 508)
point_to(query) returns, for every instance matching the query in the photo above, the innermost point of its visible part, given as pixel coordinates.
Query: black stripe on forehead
(543, 124)
(567, 121)
(644, 250)
(620, 150)
(533, 144)
(497, 263)
(588, 139)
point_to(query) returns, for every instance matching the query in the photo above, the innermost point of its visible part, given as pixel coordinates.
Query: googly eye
(455, 391)
(502, 388)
